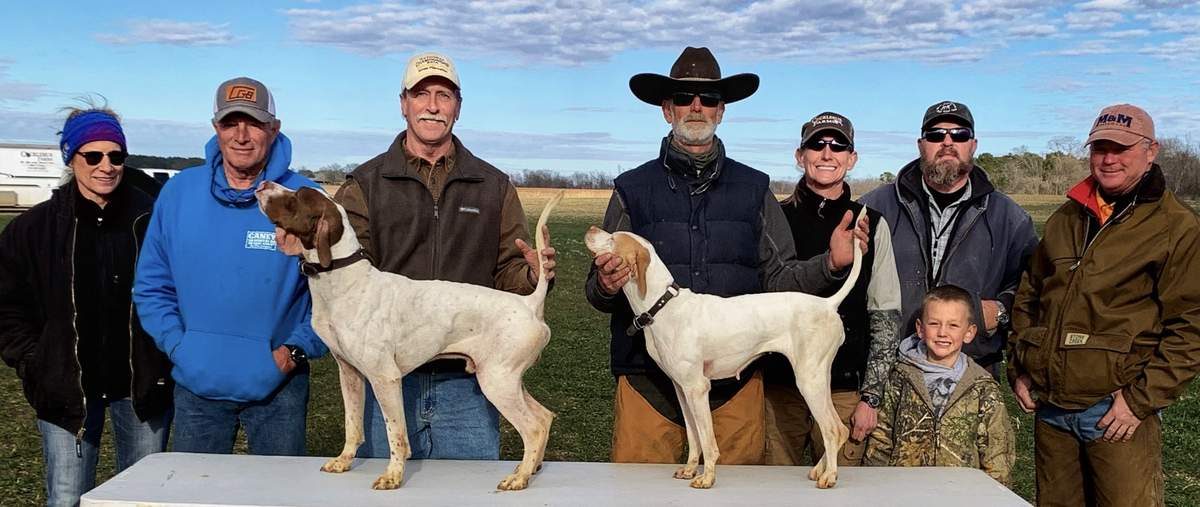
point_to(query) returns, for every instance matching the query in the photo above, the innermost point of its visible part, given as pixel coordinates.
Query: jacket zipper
(912, 220)
(136, 253)
(75, 330)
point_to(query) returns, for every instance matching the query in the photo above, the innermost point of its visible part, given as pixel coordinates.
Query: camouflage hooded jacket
(974, 430)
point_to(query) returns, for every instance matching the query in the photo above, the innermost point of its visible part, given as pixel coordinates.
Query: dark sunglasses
(958, 135)
(707, 99)
(94, 157)
(834, 145)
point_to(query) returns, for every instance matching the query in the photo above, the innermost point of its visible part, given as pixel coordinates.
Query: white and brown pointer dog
(698, 337)
(380, 326)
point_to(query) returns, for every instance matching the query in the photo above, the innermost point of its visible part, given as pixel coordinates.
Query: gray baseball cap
(244, 95)
(949, 110)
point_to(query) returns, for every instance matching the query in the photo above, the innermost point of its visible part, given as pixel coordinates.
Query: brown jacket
(462, 229)
(1120, 313)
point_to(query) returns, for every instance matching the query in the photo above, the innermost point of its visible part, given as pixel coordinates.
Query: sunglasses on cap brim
(707, 99)
(833, 144)
(958, 135)
(94, 157)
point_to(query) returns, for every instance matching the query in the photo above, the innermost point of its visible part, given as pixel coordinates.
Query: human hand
(841, 242)
(288, 243)
(1024, 397)
(283, 359)
(990, 307)
(612, 273)
(531, 257)
(1119, 420)
(864, 419)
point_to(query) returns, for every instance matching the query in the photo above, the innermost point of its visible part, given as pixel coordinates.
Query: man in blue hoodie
(231, 311)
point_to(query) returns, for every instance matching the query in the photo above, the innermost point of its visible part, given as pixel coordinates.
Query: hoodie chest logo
(260, 240)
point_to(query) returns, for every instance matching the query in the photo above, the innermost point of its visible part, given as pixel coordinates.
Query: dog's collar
(647, 318)
(311, 269)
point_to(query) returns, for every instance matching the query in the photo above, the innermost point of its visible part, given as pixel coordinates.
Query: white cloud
(175, 33)
(1106, 5)
(1126, 34)
(1185, 49)
(523, 32)
(1041, 30)
(12, 90)
(1091, 47)
(1092, 20)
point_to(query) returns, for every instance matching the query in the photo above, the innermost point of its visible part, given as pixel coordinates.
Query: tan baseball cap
(1124, 124)
(427, 65)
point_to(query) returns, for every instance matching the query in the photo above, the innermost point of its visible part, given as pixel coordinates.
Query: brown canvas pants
(642, 435)
(1074, 473)
(791, 430)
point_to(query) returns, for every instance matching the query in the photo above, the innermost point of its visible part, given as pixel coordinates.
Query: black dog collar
(311, 269)
(647, 318)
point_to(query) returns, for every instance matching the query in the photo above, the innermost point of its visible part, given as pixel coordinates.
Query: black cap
(825, 122)
(948, 110)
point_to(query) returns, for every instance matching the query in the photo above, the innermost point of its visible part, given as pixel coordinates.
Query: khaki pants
(1070, 472)
(642, 435)
(791, 430)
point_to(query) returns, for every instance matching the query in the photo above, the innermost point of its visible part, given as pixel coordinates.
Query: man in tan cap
(428, 208)
(1107, 323)
(718, 227)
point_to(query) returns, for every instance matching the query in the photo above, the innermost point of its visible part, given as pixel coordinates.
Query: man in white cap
(1106, 323)
(428, 208)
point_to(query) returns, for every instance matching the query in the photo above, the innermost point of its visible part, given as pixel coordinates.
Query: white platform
(181, 479)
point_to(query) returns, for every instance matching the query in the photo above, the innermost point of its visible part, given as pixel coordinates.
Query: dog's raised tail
(538, 298)
(852, 278)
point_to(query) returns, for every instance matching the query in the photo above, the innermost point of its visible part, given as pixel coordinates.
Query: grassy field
(572, 378)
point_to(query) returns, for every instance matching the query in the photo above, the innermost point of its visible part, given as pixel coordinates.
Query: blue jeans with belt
(447, 417)
(71, 463)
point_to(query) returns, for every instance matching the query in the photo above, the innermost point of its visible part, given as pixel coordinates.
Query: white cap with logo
(428, 65)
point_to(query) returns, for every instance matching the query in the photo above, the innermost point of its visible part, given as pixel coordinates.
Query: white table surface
(182, 479)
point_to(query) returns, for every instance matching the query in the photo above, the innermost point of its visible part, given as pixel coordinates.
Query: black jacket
(38, 316)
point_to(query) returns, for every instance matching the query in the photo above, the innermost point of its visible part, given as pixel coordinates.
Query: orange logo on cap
(241, 92)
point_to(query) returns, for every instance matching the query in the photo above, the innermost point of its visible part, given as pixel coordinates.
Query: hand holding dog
(287, 243)
(841, 242)
(611, 272)
(531, 257)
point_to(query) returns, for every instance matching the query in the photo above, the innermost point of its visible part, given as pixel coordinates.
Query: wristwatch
(1002, 318)
(872, 400)
(299, 358)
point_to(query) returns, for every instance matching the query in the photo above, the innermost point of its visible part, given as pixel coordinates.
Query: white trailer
(28, 172)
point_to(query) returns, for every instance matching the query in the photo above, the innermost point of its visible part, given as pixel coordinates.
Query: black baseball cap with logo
(947, 110)
(825, 122)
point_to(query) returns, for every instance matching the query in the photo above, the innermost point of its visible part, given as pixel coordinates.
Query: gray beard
(945, 172)
(693, 134)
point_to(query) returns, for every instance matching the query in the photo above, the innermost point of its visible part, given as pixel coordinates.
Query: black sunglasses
(94, 157)
(834, 145)
(707, 99)
(958, 135)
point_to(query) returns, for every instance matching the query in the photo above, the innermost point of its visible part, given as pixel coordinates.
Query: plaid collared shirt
(941, 227)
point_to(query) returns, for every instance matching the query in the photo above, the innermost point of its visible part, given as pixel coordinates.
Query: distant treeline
(1019, 172)
(153, 162)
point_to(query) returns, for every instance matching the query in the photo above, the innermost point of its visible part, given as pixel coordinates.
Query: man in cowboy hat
(717, 225)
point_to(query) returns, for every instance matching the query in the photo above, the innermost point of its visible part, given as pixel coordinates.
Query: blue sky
(545, 84)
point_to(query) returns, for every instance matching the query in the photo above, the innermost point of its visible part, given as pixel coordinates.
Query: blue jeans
(71, 463)
(1081, 423)
(447, 417)
(274, 426)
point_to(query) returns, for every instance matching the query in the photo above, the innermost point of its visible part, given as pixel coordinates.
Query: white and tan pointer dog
(380, 326)
(698, 337)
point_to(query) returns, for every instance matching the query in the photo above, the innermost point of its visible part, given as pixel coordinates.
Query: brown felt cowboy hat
(695, 70)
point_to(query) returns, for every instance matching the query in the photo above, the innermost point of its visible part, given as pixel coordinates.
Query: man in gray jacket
(951, 226)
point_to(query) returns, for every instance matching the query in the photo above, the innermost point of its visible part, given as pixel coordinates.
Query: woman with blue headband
(66, 318)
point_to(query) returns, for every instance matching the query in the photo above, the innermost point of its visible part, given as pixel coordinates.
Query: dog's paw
(388, 481)
(827, 480)
(813, 473)
(336, 465)
(514, 482)
(685, 472)
(705, 481)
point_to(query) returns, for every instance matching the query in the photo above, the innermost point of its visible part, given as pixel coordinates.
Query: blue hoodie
(212, 289)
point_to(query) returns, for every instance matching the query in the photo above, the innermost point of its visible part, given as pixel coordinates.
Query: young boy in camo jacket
(939, 407)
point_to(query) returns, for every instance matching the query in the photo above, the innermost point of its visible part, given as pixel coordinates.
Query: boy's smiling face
(945, 326)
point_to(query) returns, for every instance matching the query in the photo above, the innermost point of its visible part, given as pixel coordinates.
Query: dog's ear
(328, 231)
(641, 260)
